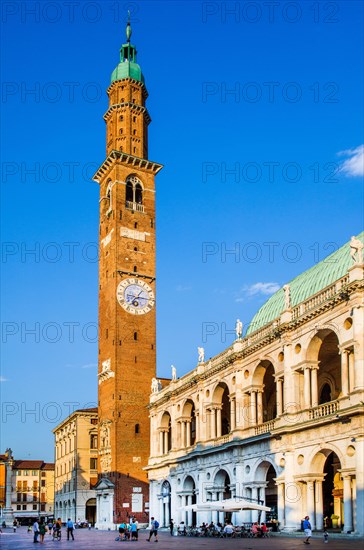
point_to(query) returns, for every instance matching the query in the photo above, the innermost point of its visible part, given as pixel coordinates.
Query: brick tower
(127, 318)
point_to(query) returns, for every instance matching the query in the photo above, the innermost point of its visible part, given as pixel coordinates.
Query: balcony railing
(323, 410)
(321, 297)
(264, 428)
(134, 206)
(222, 440)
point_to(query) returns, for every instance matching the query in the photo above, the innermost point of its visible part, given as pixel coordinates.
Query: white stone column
(161, 511)
(280, 503)
(262, 497)
(232, 413)
(351, 371)
(189, 512)
(197, 417)
(179, 514)
(307, 389)
(292, 499)
(201, 496)
(245, 411)
(208, 424)
(314, 389)
(215, 514)
(218, 422)
(183, 434)
(161, 440)
(319, 505)
(255, 497)
(253, 408)
(213, 423)
(9, 471)
(188, 433)
(166, 510)
(311, 502)
(174, 499)
(260, 407)
(279, 392)
(359, 475)
(152, 435)
(179, 435)
(348, 504)
(345, 372)
(165, 442)
(358, 336)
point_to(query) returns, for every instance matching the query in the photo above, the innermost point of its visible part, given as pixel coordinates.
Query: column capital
(307, 478)
(345, 350)
(346, 473)
(311, 365)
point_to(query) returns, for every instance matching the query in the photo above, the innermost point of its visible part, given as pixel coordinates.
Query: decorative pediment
(104, 484)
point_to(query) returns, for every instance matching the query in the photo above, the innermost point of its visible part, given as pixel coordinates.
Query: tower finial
(128, 28)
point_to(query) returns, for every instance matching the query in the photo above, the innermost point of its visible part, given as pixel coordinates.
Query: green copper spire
(128, 67)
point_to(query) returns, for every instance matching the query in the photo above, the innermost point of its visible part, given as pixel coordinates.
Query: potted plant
(334, 520)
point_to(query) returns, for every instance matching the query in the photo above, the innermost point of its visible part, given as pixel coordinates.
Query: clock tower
(127, 318)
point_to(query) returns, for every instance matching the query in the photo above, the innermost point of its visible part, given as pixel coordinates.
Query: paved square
(87, 540)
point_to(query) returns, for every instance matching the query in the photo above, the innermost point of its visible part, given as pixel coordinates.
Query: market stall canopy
(229, 505)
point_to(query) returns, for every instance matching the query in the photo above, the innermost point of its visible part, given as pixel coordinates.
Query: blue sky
(250, 110)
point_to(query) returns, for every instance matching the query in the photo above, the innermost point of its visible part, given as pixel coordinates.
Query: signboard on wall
(137, 502)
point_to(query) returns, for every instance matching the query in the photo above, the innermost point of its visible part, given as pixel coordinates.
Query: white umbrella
(229, 505)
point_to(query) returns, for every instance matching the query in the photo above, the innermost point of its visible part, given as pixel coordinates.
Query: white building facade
(278, 416)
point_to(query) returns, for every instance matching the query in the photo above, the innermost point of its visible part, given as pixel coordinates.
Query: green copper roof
(128, 67)
(305, 285)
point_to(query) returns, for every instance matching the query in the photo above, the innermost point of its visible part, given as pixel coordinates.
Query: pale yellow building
(277, 418)
(32, 493)
(76, 451)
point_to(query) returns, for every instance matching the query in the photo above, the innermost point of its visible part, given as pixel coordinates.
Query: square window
(24, 506)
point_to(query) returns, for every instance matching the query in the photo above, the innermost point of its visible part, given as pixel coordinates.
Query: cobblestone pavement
(88, 540)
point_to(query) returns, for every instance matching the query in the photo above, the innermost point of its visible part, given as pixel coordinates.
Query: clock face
(135, 296)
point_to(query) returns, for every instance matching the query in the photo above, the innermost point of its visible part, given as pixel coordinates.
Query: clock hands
(136, 299)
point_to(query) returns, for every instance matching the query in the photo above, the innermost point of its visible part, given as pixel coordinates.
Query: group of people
(40, 528)
(259, 530)
(128, 531)
(218, 530)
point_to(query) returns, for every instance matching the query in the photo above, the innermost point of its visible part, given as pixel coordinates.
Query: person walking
(307, 529)
(153, 529)
(171, 527)
(70, 528)
(42, 530)
(57, 530)
(36, 531)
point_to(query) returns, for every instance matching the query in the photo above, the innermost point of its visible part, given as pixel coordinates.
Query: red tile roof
(32, 465)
